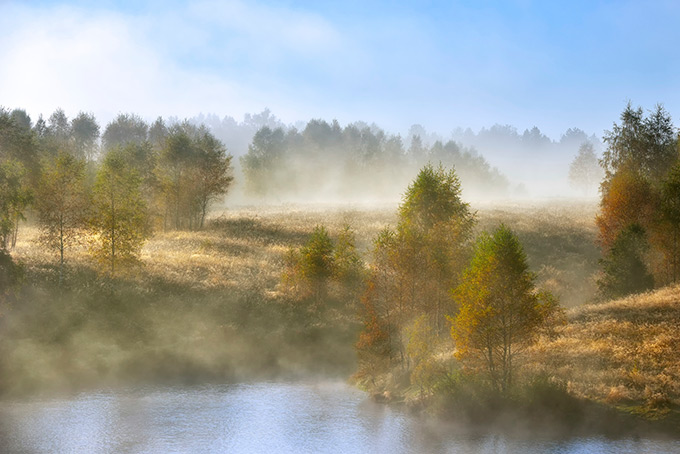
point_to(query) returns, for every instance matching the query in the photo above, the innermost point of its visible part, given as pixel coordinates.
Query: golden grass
(625, 352)
(208, 303)
(246, 245)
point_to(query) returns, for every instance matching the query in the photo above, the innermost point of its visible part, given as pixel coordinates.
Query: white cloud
(107, 62)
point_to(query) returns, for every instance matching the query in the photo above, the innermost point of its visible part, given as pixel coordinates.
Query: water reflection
(262, 417)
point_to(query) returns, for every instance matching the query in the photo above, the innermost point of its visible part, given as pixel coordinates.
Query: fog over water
(302, 417)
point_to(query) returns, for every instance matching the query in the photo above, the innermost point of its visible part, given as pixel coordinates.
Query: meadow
(207, 305)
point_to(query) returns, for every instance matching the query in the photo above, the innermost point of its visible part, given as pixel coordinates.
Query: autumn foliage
(638, 220)
(500, 310)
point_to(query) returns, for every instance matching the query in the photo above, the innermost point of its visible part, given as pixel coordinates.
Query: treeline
(326, 160)
(509, 138)
(639, 220)
(110, 190)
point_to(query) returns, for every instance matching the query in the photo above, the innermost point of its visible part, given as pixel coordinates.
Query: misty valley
(335, 288)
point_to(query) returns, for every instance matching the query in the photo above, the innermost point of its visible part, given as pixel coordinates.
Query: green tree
(84, 136)
(58, 126)
(119, 213)
(623, 269)
(174, 177)
(19, 143)
(15, 196)
(193, 171)
(21, 119)
(264, 160)
(670, 223)
(157, 133)
(434, 232)
(324, 270)
(124, 129)
(62, 204)
(500, 310)
(646, 145)
(347, 264)
(212, 168)
(316, 261)
(585, 172)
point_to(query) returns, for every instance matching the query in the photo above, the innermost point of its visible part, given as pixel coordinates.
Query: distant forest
(327, 159)
(317, 160)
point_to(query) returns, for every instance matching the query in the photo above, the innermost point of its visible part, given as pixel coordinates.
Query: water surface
(258, 418)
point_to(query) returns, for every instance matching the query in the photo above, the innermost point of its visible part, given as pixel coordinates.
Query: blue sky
(441, 64)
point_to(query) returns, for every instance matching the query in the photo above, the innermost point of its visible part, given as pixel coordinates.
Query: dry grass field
(623, 353)
(208, 305)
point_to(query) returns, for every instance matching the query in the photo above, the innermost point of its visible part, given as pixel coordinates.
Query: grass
(207, 305)
(624, 354)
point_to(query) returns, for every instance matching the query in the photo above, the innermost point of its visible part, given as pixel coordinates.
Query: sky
(444, 65)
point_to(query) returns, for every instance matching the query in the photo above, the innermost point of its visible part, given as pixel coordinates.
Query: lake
(269, 417)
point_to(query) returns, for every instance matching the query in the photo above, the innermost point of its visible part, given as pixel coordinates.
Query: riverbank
(612, 368)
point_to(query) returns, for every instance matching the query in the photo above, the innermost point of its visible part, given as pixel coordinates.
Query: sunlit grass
(209, 304)
(624, 353)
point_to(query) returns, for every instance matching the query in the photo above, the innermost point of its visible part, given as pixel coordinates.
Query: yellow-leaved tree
(120, 220)
(500, 309)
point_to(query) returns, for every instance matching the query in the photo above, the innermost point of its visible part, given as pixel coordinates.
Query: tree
(58, 126)
(425, 371)
(62, 204)
(645, 145)
(15, 196)
(119, 213)
(435, 227)
(18, 143)
(212, 173)
(264, 160)
(500, 310)
(21, 119)
(316, 261)
(126, 128)
(433, 197)
(157, 133)
(627, 198)
(324, 270)
(668, 232)
(585, 172)
(416, 151)
(637, 191)
(415, 266)
(84, 135)
(374, 346)
(624, 269)
(348, 266)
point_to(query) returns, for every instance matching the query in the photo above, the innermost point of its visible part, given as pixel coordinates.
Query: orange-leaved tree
(627, 198)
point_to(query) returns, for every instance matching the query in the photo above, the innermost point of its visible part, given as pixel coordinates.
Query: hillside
(624, 353)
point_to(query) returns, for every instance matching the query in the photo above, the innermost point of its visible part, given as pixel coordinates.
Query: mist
(264, 226)
(324, 161)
